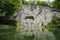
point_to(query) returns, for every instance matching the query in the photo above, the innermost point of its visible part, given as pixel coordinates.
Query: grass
(7, 32)
(54, 27)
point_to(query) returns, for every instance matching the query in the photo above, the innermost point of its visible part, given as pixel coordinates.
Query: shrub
(8, 8)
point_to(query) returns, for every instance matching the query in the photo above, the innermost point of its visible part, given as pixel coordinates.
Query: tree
(56, 4)
(8, 8)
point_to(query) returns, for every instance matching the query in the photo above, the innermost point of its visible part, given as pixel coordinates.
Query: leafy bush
(7, 9)
(56, 4)
(43, 3)
(55, 24)
(7, 32)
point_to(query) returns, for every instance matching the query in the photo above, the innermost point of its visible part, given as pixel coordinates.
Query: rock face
(33, 17)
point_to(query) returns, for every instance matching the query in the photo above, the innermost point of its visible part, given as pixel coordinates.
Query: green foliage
(38, 2)
(25, 3)
(57, 0)
(55, 24)
(43, 3)
(54, 27)
(56, 4)
(56, 20)
(8, 7)
(8, 22)
(7, 32)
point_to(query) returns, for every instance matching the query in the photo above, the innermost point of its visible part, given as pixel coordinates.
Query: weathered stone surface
(33, 17)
